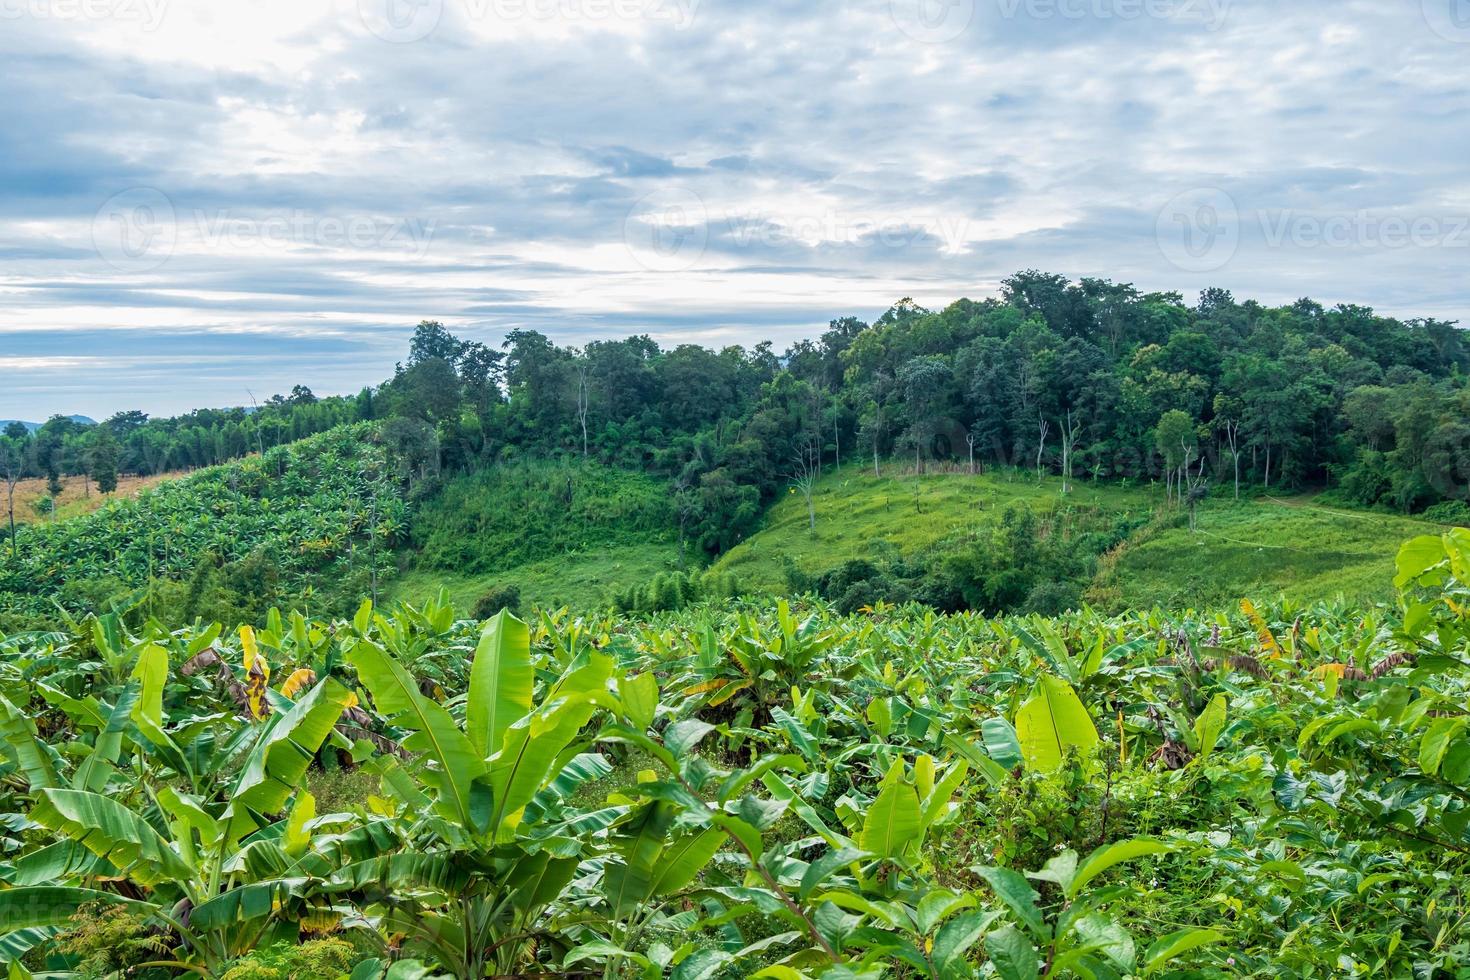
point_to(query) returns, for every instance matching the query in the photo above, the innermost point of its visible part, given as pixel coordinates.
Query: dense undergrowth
(753, 791)
(505, 516)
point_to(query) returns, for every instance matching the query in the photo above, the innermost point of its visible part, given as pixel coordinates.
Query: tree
(925, 383)
(102, 458)
(807, 466)
(1227, 420)
(12, 468)
(1071, 426)
(582, 400)
(431, 341)
(1042, 428)
(1174, 436)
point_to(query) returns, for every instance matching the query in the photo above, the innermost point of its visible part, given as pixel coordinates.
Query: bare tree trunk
(1232, 430)
(1042, 426)
(808, 466)
(877, 473)
(837, 440)
(11, 494)
(582, 405)
(970, 441)
(1069, 443)
(1268, 466)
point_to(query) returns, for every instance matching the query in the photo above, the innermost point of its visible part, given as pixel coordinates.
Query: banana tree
(477, 802)
(196, 863)
(1075, 936)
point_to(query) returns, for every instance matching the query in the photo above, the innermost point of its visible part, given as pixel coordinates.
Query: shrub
(1449, 512)
(498, 598)
(285, 961)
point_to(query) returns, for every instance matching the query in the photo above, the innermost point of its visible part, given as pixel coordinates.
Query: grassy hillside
(858, 513)
(1260, 548)
(560, 533)
(585, 581)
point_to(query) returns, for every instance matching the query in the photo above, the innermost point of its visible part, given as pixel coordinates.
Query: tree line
(1089, 380)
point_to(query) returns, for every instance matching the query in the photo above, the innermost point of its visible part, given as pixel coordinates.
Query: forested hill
(1091, 377)
(1084, 379)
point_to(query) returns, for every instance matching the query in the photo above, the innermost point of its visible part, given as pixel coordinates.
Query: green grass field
(855, 510)
(1261, 548)
(1258, 548)
(1264, 548)
(581, 581)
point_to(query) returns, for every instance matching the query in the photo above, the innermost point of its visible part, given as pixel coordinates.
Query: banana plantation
(743, 791)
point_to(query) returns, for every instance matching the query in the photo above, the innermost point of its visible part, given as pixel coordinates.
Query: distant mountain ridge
(33, 426)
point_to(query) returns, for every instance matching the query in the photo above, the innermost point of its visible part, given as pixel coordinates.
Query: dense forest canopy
(1089, 378)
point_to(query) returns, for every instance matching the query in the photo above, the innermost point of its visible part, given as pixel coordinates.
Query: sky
(204, 202)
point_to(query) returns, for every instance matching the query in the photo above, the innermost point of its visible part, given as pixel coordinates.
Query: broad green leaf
(1011, 888)
(639, 695)
(277, 764)
(1176, 944)
(533, 747)
(1108, 855)
(1001, 743)
(501, 681)
(1052, 722)
(1012, 954)
(111, 831)
(19, 732)
(1209, 725)
(956, 937)
(37, 906)
(895, 820)
(1417, 556)
(456, 765)
(682, 736)
(1436, 742)
(92, 774)
(685, 858)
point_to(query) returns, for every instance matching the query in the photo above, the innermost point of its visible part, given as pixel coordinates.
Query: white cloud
(838, 162)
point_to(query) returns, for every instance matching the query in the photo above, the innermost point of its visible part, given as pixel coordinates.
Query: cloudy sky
(204, 199)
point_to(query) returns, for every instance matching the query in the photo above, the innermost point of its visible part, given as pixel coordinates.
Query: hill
(1259, 548)
(33, 426)
(305, 524)
(557, 533)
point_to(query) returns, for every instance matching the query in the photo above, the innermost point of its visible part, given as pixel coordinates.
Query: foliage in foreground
(751, 793)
